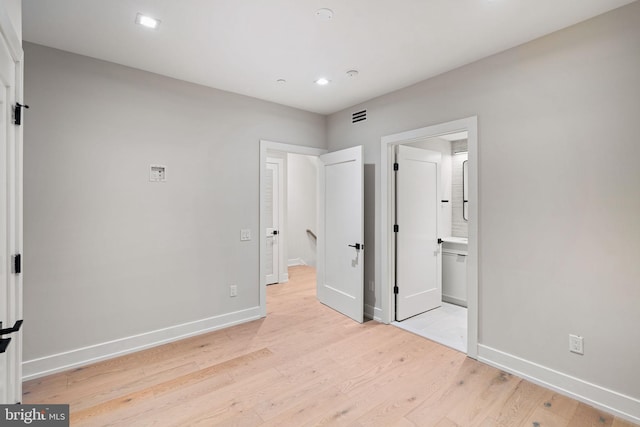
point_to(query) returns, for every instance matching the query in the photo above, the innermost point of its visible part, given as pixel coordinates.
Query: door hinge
(396, 166)
(396, 228)
(17, 113)
(395, 289)
(17, 264)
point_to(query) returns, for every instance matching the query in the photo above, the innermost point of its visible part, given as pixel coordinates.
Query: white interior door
(341, 232)
(10, 235)
(418, 254)
(273, 194)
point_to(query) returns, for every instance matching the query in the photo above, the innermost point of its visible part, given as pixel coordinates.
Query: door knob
(15, 328)
(4, 342)
(275, 232)
(358, 246)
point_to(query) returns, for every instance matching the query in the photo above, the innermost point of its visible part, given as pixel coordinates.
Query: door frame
(285, 148)
(469, 124)
(15, 204)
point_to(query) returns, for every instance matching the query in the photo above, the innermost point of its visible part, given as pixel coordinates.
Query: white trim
(286, 148)
(10, 36)
(371, 312)
(283, 278)
(295, 262)
(469, 124)
(83, 356)
(454, 300)
(14, 211)
(615, 403)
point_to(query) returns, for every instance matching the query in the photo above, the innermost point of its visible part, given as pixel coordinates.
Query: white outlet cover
(576, 344)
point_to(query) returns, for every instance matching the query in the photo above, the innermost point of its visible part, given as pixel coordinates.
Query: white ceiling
(245, 46)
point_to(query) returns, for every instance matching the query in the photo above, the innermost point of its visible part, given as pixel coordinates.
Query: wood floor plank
(305, 364)
(542, 418)
(587, 416)
(524, 400)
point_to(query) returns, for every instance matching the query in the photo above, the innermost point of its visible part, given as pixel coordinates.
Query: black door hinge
(17, 113)
(17, 264)
(396, 166)
(396, 228)
(395, 289)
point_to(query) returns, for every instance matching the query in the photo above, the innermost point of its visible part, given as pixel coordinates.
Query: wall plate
(157, 173)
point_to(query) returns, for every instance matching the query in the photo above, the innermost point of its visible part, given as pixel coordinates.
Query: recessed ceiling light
(281, 81)
(352, 73)
(147, 21)
(322, 81)
(324, 14)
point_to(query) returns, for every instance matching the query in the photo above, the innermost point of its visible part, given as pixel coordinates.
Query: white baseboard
(83, 356)
(295, 261)
(618, 404)
(371, 312)
(453, 300)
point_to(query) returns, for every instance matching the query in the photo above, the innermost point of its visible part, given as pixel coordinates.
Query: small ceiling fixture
(352, 73)
(322, 81)
(281, 81)
(324, 14)
(147, 21)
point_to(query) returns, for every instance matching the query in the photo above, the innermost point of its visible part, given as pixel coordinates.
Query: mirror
(465, 190)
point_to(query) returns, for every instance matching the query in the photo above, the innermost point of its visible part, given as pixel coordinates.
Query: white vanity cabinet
(454, 270)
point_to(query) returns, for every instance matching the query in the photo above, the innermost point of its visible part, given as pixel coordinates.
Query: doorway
(425, 138)
(431, 245)
(340, 223)
(269, 150)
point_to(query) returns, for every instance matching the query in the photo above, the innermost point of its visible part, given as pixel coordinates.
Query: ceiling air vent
(359, 116)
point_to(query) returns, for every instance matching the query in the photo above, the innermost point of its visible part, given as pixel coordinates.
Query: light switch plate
(245, 234)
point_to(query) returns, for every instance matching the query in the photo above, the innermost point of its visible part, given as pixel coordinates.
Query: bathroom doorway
(433, 255)
(431, 246)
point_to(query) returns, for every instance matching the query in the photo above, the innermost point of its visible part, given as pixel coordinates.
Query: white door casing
(386, 242)
(340, 276)
(273, 213)
(419, 256)
(10, 210)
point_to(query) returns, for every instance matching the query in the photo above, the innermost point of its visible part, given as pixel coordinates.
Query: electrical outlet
(576, 344)
(245, 234)
(233, 291)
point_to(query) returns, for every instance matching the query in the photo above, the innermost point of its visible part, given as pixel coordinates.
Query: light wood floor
(305, 365)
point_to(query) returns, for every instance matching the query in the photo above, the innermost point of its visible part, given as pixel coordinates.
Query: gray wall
(559, 222)
(302, 177)
(109, 254)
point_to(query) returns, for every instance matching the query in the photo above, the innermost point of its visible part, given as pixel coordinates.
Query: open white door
(10, 227)
(341, 232)
(418, 255)
(273, 193)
